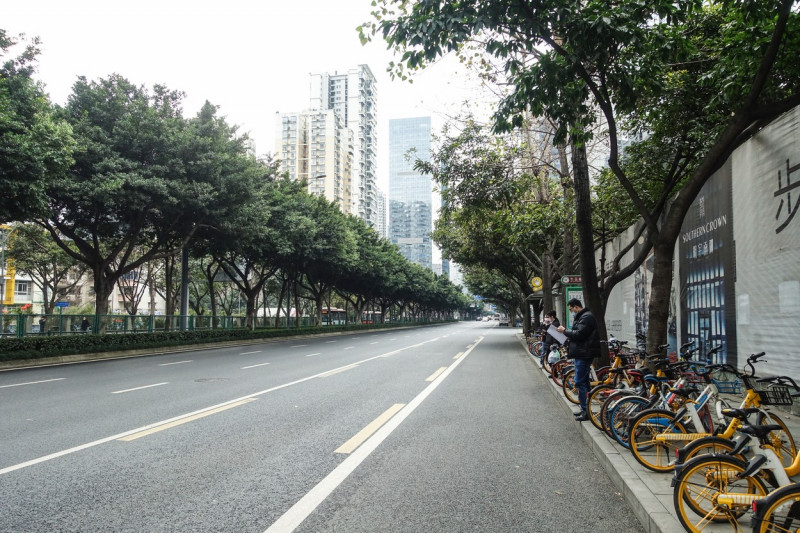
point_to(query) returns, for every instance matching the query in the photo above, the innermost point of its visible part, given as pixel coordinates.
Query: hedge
(41, 346)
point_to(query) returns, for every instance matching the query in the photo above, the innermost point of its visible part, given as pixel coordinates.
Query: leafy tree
(625, 59)
(34, 144)
(143, 183)
(247, 246)
(324, 250)
(53, 271)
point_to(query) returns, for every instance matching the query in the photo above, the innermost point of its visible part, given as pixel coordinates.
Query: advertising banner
(706, 263)
(766, 198)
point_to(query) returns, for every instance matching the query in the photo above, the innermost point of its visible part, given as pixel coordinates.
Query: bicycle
(722, 488)
(657, 435)
(656, 395)
(634, 393)
(622, 376)
(724, 443)
(779, 511)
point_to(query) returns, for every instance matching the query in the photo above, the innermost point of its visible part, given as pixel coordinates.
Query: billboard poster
(766, 197)
(706, 262)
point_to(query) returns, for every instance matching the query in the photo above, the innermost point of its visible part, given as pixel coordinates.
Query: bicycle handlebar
(780, 380)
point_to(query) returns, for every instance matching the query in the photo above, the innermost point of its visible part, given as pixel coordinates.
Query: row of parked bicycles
(676, 415)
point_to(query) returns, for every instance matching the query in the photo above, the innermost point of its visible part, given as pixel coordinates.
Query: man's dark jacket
(584, 340)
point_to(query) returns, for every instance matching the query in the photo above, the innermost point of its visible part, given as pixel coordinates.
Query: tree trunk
(583, 223)
(280, 303)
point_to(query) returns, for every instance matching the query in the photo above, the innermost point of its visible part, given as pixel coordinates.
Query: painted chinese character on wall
(787, 190)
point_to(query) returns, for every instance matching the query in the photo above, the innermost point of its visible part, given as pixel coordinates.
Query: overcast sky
(251, 58)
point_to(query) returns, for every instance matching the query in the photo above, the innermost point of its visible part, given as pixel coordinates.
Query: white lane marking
(175, 363)
(253, 366)
(436, 374)
(298, 345)
(313, 354)
(31, 383)
(328, 342)
(376, 342)
(248, 353)
(295, 516)
(459, 354)
(140, 388)
(184, 420)
(98, 442)
(356, 440)
(348, 347)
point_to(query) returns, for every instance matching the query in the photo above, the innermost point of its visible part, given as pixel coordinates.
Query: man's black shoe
(583, 417)
(579, 413)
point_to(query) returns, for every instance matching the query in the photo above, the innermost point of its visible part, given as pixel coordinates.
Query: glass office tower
(410, 205)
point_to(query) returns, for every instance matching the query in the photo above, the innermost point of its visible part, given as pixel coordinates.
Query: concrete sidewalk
(648, 493)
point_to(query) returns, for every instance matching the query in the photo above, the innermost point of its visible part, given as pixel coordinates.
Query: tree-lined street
(232, 439)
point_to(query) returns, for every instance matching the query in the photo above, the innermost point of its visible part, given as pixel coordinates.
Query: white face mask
(572, 314)
(546, 320)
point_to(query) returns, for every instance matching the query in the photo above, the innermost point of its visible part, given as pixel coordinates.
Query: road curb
(647, 494)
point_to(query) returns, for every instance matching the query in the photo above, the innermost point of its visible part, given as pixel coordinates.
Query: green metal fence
(21, 325)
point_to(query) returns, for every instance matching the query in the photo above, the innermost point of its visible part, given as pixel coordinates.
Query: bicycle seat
(760, 432)
(741, 414)
(685, 392)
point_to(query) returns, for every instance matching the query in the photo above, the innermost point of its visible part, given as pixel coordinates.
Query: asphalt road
(438, 429)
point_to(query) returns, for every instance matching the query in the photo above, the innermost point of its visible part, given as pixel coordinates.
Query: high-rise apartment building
(316, 146)
(410, 205)
(381, 223)
(353, 97)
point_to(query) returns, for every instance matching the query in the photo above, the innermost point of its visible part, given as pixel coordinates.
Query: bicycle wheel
(546, 366)
(621, 415)
(781, 439)
(650, 453)
(536, 348)
(778, 512)
(558, 371)
(701, 481)
(605, 410)
(597, 398)
(569, 387)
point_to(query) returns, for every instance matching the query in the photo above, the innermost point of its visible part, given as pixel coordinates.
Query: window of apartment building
(23, 288)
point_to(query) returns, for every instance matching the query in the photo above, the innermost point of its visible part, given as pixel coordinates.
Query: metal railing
(22, 325)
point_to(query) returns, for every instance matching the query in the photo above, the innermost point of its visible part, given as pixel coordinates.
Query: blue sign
(62, 304)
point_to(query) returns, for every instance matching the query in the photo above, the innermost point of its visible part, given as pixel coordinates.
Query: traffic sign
(62, 304)
(571, 280)
(536, 284)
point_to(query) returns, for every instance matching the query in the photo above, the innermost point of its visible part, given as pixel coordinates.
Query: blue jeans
(582, 367)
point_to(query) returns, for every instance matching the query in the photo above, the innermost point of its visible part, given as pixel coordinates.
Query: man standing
(584, 345)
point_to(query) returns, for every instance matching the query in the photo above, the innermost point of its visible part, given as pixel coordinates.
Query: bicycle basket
(770, 395)
(728, 387)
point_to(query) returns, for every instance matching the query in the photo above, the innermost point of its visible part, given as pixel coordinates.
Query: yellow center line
(336, 371)
(156, 429)
(365, 433)
(459, 354)
(436, 374)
